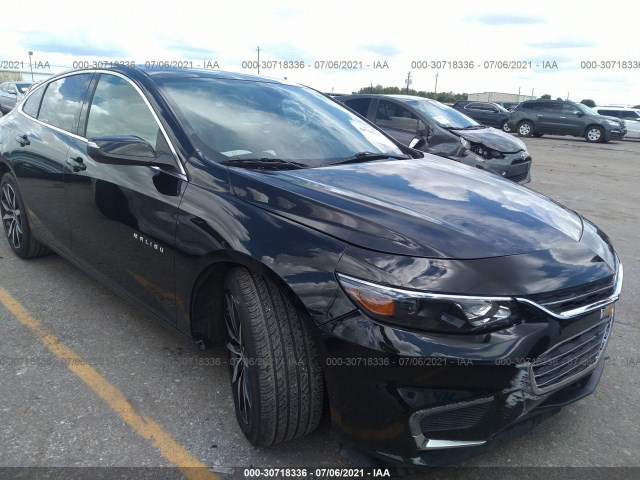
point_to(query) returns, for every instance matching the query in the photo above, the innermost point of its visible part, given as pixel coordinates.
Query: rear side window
(360, 105)
(611, 113)
(629, 115)
(529, 106)
(62, 101)
(118, 109)
(32, 105)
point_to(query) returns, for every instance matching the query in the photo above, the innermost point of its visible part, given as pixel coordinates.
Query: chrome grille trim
(574, 312)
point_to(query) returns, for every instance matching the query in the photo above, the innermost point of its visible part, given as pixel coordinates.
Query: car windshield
(232, 119)
(22, 87)
(441, 114)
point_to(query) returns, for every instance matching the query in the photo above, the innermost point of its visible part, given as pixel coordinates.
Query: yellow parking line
(191, 467)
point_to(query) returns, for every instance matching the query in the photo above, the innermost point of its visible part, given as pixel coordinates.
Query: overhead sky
(569, 33)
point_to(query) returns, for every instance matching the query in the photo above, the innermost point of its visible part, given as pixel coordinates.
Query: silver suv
(630, 115)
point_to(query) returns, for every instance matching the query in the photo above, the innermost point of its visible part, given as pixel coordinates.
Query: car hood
(493, 138)
(429, 207)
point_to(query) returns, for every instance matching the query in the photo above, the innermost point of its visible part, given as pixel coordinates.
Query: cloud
(191, 52)
(80, 45)
(563, 43)
(384, 50)
(505, 19)
(284, 51)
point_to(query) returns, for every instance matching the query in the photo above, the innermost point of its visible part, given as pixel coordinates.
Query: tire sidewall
(24, 221)
(251, 430)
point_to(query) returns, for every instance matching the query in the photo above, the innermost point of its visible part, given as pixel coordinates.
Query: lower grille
(458, 419)
(518, 178)
(570, 359)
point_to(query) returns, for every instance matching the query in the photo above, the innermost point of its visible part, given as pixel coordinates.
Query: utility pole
(258, 49)
(31, 65)
(408, 81)
(435, 89)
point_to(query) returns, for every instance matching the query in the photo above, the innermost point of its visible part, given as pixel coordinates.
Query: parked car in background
(445, 132)
(486, 113)
(435, 307)
(630, 115)
(563, 117)
(11, 93)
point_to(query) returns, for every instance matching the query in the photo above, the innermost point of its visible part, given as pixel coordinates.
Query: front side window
(118, 109)
(62, 101)
(393, 115)
(569, 109)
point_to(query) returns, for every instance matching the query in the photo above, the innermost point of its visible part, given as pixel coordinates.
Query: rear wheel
(15, 222)
(525, 129)
(275, 373)
(594, 134)
(505, 127)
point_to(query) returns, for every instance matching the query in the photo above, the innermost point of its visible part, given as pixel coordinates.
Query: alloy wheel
(524, 129)
(239, 364)
(11, 215)
(594, 134)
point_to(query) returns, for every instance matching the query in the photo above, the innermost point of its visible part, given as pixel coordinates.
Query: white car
(630, 115)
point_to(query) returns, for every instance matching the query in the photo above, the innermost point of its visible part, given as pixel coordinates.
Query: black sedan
(441, 130)
(435, 307)
(11, 93)
(487, 113)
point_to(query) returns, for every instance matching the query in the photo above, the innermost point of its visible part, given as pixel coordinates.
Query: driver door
(122, 217)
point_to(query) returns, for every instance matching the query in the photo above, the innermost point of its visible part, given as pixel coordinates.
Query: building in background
(505, 99)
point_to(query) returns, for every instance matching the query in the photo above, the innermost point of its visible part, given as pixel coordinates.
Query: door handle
(23, 140)
(77, 164)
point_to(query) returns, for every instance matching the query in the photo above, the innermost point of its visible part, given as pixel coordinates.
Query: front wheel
(525, 129)
(15, 222)
(594, 135)
(274, 369)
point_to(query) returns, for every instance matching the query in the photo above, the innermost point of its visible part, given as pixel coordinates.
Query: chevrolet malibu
(430, 307)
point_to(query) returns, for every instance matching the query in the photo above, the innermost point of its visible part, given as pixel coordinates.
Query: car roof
(166, 73)
(387, 95)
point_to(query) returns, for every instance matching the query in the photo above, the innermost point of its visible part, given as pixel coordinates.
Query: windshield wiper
(266, 162)
(471, 127)
(369, 156)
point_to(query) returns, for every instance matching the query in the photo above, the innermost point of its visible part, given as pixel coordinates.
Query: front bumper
(433, 399)
(514, 166)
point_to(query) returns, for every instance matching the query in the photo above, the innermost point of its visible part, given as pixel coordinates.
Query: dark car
(435, 307)
(445, 132)
(562, 117)
(487, 113)
(11, 93)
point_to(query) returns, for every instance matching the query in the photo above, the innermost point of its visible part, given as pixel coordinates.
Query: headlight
(465, 143)
(613, 123)
(433, 312)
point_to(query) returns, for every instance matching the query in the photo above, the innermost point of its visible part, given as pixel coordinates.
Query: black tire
(594, 134)
(525, 129)
(274, 369)
(15, 221)
(505, 127)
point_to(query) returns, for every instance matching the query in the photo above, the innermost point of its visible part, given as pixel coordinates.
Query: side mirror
(579, 114)
(121, 150)
(418, 142)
